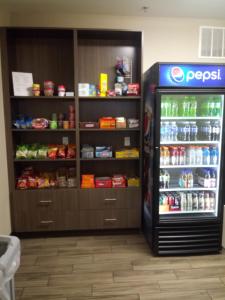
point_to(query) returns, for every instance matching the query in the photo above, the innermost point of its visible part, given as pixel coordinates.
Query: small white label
(126, 141)
(65, 140)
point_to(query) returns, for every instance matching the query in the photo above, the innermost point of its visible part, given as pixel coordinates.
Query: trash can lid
(3, 248)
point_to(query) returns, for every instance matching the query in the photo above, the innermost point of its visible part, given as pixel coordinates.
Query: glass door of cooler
(190, 154)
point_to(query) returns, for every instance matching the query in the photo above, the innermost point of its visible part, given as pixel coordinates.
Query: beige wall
(164, 40)
(5, 226)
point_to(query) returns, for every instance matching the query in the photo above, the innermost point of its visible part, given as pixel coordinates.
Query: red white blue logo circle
(177, 74)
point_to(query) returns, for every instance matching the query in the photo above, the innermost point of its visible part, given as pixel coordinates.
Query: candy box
(133, 89)
(83, 89)
(121, 122)
(87, 181)
(119, 181)
(103, 84)
(103, 151)
(103, 182)
(107, 122)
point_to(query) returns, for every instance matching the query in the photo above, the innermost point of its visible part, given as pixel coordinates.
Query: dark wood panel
(48, 54)
(93, 199)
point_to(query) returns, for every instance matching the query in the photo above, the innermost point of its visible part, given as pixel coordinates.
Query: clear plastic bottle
(174, 130)
(167, 108)
(187, 131)
(186, 107)
(217, 107)
(198, 155)
(174, 108)
(193, 131)
(206, 156)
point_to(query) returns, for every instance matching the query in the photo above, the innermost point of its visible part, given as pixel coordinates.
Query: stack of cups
(71, 116)
(48, 88)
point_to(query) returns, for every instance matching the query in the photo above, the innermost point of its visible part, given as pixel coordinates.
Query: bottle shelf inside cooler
(187, 166)
(189, 143)
(189, 118)
(178, 212)
(178, 189)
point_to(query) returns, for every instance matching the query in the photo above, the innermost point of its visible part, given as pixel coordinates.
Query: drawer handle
(47, 222)
(110, 220)
(45, 201)
(110, 199)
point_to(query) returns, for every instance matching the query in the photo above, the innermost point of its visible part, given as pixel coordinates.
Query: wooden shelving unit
(69, 57)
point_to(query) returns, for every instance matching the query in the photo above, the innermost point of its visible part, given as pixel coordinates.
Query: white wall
(165, 39)
(5, 225)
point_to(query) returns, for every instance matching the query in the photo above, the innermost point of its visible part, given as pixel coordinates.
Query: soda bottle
(162, 158)
(167, 131)
(190, 179)
(195, 201)
(207, 178)
(173, 156)
(174, 108)
(182, 156)
(166, 179)
(162, 131)
(174, 130)
(210, 108)
(215, 132)
(207, 201)
(167, 103)
(191, 156)
(193, 107)
(212, 199)
(207, 130)
(193, 131)
(213, 179)
(206, 156)
(201, 201)
(189, 201)
(166, 156)
(163, 108)
(183, 200)
(161, 181)
(214, 155)
(198, 155)
(217, 107)
(186, 107)
(181, 132)
(187, 129)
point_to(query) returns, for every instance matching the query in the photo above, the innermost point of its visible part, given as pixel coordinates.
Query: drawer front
(92, 199)
(45, 210)
(109, 219)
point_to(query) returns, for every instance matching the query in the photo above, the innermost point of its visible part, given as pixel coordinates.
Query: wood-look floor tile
(53, 291)
(148, 264)
(55, 297)
(28, 260)
(189, 295)
(102, 267)
(120, 257)
(26, 243)
(124, 288)
(28, 280)
(218, 294)
(50, 270)
(200, 272)
(18, 292)
(222, 279)
(134, 276)
(59, 241)
(122, 297)
(101, 242)
(40, 251)
(83, 250)
(77, 279)
(137, 248)
(214, 261)
(61, 260)
(190, 284)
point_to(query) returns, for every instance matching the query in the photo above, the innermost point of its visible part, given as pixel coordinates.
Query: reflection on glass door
(190, 150)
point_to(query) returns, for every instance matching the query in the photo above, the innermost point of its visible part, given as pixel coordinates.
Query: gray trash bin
(9, 263)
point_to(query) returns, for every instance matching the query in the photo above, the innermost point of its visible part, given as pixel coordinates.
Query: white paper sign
(22, 83)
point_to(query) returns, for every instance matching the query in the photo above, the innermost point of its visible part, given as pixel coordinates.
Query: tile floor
(117, 267)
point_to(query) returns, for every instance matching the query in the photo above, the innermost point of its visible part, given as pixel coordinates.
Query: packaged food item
(32, 151)
(111, 93)
(21, 151)
(103, 84)
(83, 89)
(118, 181)
(107, 122)
(36, 90)
(71, 124)
(69, 94)
(127, 153)
(42, 152)
(103, 151)
(103, 182)
(71, 151)
(39, 123)
(31, 182)
(42, 182)
(49, 84)
(121, 122)
(89, 125)
(71, 179)
(92, 90)
(61, 151)
(22, 183)
(61, 90)
(133, 181)
(48, 92)
(87, 181)
(118, 89)
(133, 123)
(62, 177)
(133, 89)
(65, 124)
(87, 151)
(52, 151)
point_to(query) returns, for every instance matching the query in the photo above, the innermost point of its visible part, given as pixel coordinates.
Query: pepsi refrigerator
(183, 157)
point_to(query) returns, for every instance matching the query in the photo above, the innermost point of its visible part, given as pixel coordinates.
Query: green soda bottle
(174, 108)
(186, 107)
(167, 103)
(217, 107)
(193, 107)
(210, 107)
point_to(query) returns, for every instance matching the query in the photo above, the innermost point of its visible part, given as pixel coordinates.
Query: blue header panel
(182, 75)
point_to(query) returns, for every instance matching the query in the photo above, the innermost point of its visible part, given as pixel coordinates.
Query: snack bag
(61, 151)
(71, 151)
(52, 151)
(21, 151)
(42, 152)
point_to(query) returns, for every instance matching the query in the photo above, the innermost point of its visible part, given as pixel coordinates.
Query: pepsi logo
(177, 74)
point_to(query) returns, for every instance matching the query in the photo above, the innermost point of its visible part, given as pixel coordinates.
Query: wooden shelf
(111, 130)
(108, 158)
(45, 160)
(116, 98)
(42, 98)
(44, 130)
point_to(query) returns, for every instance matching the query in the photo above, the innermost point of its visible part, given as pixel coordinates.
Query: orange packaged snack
(87, 181)
(107, 122)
